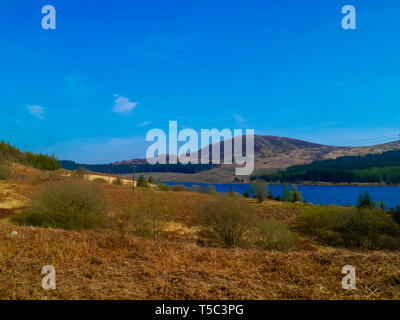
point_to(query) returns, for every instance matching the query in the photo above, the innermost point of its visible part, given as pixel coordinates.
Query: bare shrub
(150, 215)
(274, 235)
(141, 183)
(350, 227)
(179, 188)
(80, 172)
(163, 186)
(118, 181)
(260, 190)
(368, 228)
(230, 219)
(319, 219)
(71, 205)
(5, 172)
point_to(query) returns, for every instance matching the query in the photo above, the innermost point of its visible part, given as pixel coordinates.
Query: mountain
(270, 153)
(282, 152)
(278, 152)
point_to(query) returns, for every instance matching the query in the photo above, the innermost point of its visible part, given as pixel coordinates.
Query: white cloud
(123, 105)
(143, 124)
(36, 111)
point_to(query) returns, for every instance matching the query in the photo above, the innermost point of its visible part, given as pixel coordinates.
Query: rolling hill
(371, 168)
(270, 153)
(282, 152)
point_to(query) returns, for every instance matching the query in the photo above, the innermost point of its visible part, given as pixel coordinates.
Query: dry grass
(9, 197)
(110, 265)
(115, 264)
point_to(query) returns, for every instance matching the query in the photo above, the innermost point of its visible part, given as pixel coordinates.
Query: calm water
(340, 195)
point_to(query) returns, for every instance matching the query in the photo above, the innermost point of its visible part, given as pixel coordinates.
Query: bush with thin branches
(72, 205)
(150, 214)
(230, 218)
(260, 190)
(5, 172)
(274, 235)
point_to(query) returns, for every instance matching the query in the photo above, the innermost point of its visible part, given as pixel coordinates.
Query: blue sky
(112, 70)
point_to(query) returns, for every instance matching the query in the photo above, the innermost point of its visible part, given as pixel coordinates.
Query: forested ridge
(380, 168)
(36, 160)
(145, 167)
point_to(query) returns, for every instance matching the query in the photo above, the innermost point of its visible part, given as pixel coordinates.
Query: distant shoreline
(319, 184)
(343, 184)
(226, 178)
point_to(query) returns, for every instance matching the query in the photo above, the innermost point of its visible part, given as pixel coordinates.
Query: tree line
(36, 160)
(127, 168)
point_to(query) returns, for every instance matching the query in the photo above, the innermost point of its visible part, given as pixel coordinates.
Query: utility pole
(133, 177)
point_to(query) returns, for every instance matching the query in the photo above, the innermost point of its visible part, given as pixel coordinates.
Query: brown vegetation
(72, 205)
(111, 265)
(116, 263)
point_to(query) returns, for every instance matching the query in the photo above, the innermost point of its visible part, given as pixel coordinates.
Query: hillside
(282, 152)
(116, 262)
(370, 168)
(271, 153)
(41, 161)
(276, 152)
